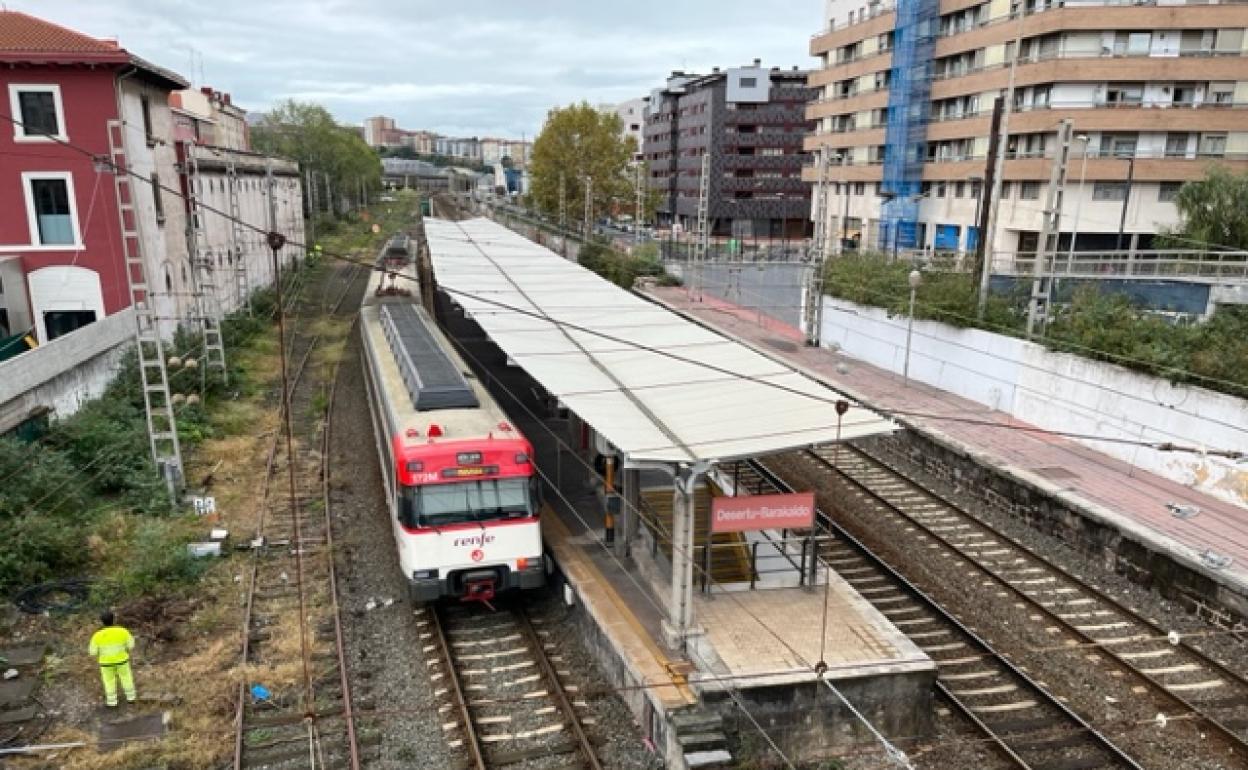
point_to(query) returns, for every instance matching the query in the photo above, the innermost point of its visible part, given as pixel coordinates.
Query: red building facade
(58, 245)
(61, 263)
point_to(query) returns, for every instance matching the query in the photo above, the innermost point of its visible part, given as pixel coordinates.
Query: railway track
(1011, 711)
(292, 634)
(1185, 678)
(506, 702)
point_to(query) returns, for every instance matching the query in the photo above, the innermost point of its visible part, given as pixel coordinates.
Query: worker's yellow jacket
(112, 645)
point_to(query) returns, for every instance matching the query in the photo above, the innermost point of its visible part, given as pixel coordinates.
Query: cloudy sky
(474, 67)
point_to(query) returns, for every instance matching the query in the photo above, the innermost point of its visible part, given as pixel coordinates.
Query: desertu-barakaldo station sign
(744, 514)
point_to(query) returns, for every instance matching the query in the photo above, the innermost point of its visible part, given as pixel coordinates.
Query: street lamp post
(915, 278)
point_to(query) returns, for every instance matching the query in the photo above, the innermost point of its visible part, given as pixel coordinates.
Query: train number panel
(458, 476)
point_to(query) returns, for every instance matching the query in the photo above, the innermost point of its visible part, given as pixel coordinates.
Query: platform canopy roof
(655, 385)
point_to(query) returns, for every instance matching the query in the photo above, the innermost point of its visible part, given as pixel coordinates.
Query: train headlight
(415, 467)
(521, 458)
(425, 574)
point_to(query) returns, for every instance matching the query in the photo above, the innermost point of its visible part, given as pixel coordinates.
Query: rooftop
(28, 39)
(23, 36)
(659, 387)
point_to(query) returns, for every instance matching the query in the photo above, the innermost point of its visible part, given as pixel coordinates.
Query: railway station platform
(718, 664)
(1119, 514)
(757, 646)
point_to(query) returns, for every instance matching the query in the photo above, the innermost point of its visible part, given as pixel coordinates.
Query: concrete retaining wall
(64, 374)
(809, 723)
(1058, 391)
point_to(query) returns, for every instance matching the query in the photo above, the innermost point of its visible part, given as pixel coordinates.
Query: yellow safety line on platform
(584, 576)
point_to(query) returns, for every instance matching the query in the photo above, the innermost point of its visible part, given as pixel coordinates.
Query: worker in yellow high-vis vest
(111, 645)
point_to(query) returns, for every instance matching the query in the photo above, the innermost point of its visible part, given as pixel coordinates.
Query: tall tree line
(343, 170)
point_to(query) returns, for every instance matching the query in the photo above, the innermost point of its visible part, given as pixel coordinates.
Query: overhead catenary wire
(1165, 446)
(642, 516)
(513, 308)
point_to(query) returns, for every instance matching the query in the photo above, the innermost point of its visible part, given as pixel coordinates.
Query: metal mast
(639, 200)
(812, 306)
(207, 301)
(162, 427)
(703, 235)
(242, 286)
(1046, 249)
(589, 207)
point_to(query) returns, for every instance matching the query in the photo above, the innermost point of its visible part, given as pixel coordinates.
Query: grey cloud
(483, 67)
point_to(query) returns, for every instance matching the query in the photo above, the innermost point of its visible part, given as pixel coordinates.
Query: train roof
(422, 378)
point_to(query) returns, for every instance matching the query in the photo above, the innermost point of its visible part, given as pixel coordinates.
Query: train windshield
(437, 505)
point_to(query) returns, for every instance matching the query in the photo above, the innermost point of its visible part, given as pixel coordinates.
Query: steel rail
(1102, 742)
(266, 494)
(1120, 607)
(1237, 742)
(561, 694)
(473, 740)
(353, 746)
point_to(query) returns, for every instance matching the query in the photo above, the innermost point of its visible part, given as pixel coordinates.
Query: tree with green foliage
(307, 134)
(1212, 211)
(575, 143)
(619, 268)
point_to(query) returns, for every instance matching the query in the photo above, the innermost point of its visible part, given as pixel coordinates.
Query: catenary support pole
(990, 192)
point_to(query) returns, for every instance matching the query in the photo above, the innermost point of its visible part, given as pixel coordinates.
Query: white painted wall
(65, 373)
(1058, 391)
(63, 288)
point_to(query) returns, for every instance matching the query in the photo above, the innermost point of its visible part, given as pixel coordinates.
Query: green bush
(38, 479)
(619, 268)
(874, 279)
(42, 546)
(157, 560)
(1101, 325)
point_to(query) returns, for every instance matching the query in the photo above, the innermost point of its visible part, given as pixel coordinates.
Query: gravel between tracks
(384, 649)
(1080, 675)
(1230, 649)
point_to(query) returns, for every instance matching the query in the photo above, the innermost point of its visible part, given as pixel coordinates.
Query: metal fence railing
(1176, 264)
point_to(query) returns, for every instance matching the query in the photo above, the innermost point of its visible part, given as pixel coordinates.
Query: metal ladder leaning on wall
(162, 428)
(207, 301)
(242, 286)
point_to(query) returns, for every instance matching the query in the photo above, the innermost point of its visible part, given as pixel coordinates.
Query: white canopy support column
(680, 623)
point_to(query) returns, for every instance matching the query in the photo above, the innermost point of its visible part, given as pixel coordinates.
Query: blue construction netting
(909, 107)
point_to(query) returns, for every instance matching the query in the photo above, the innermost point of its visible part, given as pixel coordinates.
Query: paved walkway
(1126, 497)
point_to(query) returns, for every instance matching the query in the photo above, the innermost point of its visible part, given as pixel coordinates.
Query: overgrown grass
(1098, 324)
(85, 498)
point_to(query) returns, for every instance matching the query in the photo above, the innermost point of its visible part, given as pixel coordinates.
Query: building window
(1109, 191)
(1176, 145)
(1167, 192)
(1221, 93)
(146, 105)
(1007, 189)
(49, 204)
(39, 112)
(749, 82)
(1029, 191)
(157, 199)
(1213, 145)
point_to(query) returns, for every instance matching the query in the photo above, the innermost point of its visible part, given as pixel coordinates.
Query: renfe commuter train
(458, 476)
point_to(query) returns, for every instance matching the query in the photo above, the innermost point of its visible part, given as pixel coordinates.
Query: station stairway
(730, 554)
